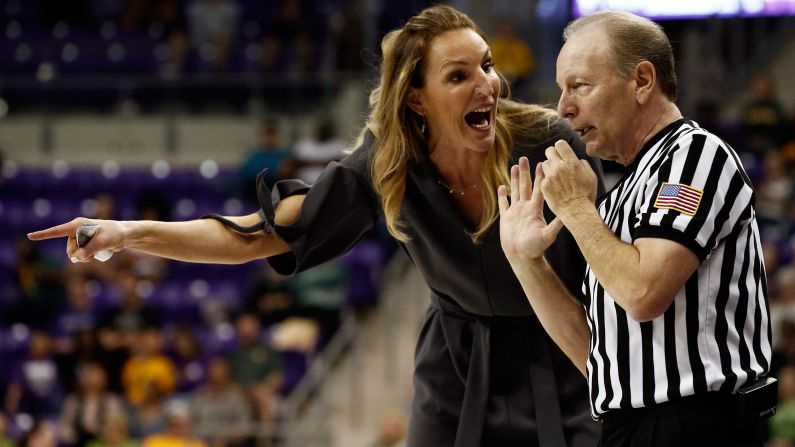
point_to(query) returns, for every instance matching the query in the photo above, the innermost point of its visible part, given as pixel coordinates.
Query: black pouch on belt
(756, 401)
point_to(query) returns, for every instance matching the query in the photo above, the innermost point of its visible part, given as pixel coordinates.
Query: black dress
(486, 373)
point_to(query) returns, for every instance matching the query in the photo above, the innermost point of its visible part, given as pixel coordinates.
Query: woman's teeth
(479, 119)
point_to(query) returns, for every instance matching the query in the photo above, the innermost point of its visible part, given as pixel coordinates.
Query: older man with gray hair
(675, 339)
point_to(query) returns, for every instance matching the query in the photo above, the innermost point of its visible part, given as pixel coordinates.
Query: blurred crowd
(147, 55)
(194, 35)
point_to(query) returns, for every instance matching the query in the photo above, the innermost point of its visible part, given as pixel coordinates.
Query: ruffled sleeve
(337, 211)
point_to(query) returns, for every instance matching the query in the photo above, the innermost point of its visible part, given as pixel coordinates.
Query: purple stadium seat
(131, 179)
(230, 292)
(219, 340)
(9, 292)
(24, 11)
(8, 255)
(108, 296)
(26, 182)
(15, 339)
(364, 262)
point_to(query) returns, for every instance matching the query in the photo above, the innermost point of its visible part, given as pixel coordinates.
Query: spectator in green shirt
(256, 367)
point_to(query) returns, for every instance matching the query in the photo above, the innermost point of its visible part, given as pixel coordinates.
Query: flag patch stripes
(679, 197)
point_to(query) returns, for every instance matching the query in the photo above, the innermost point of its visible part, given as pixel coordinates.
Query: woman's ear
(417, 102)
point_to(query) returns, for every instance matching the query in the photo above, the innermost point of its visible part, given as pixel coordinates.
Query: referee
(677, 317)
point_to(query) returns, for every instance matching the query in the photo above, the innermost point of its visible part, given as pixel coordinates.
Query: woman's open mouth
(479, 119)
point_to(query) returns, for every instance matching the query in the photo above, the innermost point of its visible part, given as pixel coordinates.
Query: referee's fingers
(551, 153)
(564, 150)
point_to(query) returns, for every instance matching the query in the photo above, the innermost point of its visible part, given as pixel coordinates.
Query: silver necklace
(452, 190)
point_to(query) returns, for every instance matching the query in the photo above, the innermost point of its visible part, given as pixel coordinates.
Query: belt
(713, 403)
(549, 421)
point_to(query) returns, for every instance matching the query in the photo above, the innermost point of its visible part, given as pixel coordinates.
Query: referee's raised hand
(570, 184)
(524, 233)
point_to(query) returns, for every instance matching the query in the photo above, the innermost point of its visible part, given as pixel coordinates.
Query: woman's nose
(484, 85)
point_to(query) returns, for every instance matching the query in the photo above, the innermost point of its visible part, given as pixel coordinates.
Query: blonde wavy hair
(397, 129)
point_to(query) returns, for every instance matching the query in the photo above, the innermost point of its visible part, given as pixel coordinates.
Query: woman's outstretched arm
(202, 240)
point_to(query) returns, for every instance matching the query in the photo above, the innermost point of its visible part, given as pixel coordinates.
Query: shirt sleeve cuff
(672, 235)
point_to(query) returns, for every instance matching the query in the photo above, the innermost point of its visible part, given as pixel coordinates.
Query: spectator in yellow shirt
(512, 56)
(148, 367)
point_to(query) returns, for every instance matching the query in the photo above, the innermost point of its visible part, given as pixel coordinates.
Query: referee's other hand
(569, 182)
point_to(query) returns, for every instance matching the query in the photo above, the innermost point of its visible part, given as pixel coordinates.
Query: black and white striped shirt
(688, 186)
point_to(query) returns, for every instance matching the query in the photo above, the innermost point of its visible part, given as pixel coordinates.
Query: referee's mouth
(583, 131)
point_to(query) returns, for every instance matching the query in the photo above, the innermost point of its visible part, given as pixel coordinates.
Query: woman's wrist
(132, 232)
(524, 261)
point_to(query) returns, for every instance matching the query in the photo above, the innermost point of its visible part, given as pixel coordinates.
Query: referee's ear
(645, 81)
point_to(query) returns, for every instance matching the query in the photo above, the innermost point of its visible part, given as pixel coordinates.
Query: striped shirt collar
(629, 169)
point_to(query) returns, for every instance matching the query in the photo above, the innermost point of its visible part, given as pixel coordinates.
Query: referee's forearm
(600, 246)
(615, 263)
(562, 316)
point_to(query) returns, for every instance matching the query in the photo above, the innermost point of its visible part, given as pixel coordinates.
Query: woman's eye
(457, 77)
(488, 66)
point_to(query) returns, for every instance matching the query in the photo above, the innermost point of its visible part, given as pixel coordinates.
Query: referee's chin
(593, 151)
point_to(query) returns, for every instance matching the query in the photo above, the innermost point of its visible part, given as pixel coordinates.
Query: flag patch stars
(679, 197)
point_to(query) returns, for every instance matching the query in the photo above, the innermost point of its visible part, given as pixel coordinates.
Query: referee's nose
(566, 107)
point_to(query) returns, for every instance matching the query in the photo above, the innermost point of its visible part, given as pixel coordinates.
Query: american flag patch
(676, 196)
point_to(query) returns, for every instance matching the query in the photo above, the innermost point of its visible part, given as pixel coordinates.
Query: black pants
(696, 421)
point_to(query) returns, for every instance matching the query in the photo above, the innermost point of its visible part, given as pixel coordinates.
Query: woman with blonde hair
(439, 140)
